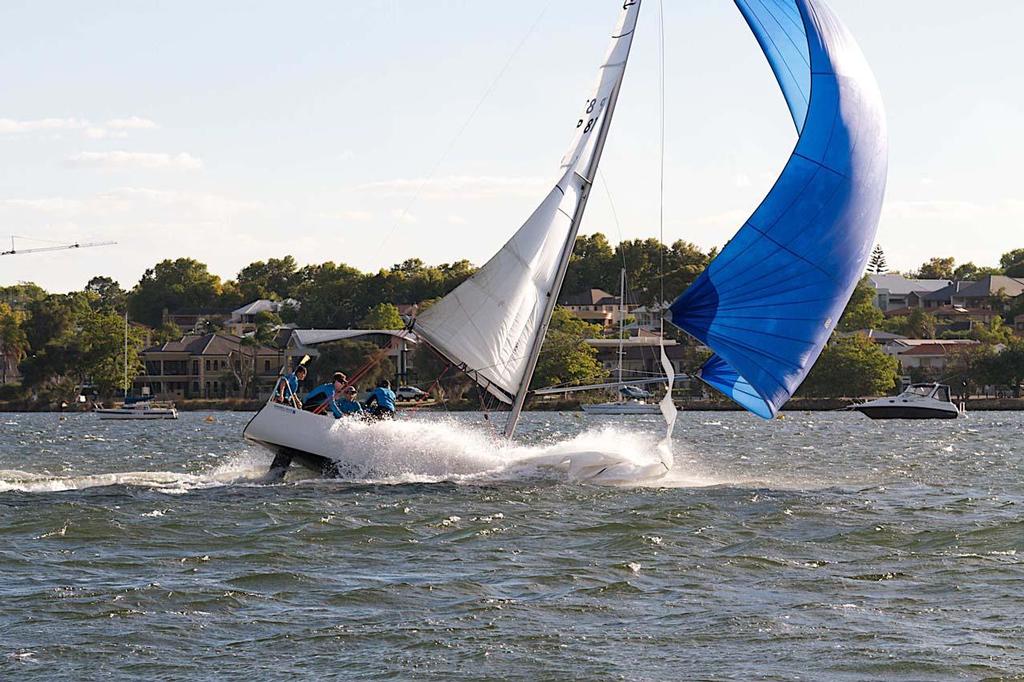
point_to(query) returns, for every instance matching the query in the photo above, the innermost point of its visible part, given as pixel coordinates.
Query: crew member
(381, 403)
(346, 405)
(324, 394)
(288, 387)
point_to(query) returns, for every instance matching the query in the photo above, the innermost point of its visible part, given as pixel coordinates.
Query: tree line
(1011, 264)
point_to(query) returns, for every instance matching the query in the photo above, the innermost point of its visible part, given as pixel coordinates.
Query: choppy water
(823, 546)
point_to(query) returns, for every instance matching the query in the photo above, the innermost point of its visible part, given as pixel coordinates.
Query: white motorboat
(137, 408)
(919, 401)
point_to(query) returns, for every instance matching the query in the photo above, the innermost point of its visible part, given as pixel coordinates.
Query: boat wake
(248, 468)
(444, 450)
(416, 451)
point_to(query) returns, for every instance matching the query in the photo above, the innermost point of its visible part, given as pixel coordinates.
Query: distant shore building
(209, 366)
(243, 320)
(597, 306)
(641, 356)
(893, 292)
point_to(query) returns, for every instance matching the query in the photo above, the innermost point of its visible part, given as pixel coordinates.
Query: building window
(207, 365)
(266, 365)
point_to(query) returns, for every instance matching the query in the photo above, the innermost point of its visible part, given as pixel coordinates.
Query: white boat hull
(295, 435)
(621, 408)
(130, 414)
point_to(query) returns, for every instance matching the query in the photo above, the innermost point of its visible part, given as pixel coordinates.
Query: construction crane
(57, 246)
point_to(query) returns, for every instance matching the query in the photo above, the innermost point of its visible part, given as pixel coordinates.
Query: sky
(372, 132)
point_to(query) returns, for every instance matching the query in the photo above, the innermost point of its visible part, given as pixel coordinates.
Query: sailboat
(130, 408)
(766, 305)
(492, 326)
(631, 398)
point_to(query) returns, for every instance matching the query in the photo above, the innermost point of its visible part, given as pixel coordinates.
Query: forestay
(770, 301)
(492, 325)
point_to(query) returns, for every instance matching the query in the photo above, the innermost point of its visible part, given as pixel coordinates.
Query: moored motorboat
(920, 401)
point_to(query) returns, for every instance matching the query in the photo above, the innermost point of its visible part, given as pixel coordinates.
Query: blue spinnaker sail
(769, 302)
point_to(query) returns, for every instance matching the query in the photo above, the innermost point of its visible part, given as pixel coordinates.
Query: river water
(819, 547)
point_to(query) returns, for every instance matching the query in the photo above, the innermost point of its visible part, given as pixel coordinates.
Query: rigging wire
(465, 126)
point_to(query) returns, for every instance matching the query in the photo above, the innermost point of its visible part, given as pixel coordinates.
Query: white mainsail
(492, 325)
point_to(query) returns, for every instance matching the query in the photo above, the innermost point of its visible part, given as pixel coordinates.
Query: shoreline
(796, 405)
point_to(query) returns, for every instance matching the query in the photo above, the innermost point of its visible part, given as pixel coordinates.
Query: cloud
(115, 127)
(146, 203)
(9, 126)
(354, 216)
(120, 160)
(457, 220)
(742, 180)
(131, 123)
(460, 186)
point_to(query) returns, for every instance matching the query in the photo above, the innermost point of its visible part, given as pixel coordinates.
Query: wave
(420, 451)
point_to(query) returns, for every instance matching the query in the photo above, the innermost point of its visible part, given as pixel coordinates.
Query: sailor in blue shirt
(381, 403)
(324, 394)
(346, 405)
(288, 386)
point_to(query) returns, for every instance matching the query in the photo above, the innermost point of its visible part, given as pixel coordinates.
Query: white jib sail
(490, 326)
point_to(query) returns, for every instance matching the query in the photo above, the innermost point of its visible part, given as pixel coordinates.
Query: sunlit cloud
(460, 186)
(121, 160)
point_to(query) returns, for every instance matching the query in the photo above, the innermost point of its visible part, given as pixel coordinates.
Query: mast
(587, 179)
(125, 383)
(622, 322)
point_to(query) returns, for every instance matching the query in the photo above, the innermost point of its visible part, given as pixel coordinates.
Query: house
(195, 322)
(942, 297)
(597, 306)
(641, 356)
(215, 365)
(1018, 324)
(243, 320)
(989, 293)
(895, 291)
(933, 355)
(876, 335)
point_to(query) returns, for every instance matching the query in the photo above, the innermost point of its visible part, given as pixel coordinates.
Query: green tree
(274, 279)
(382, 316)
(861, 311)
(877, 264)
(593, 265)
(917, 325)
(13, 341)
(174, 286)
(19, 296)
(168, 331)
(105, 293)
(266, 327)
(1005, 368)
(103, 352)
(937, 268)
(1013, 263)
(348, 357)
(565, 357)
(327, 293)
(850, 368)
